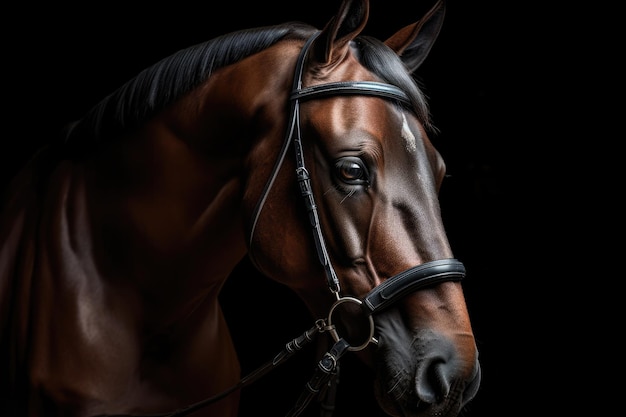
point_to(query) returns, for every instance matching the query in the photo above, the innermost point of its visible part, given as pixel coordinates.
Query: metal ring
(333, 331)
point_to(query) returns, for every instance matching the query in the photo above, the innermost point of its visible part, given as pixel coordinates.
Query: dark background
(496, 90)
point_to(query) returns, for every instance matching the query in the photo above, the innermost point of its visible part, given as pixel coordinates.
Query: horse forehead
(356, 120)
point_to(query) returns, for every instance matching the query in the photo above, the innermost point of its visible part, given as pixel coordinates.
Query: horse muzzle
(425, 373)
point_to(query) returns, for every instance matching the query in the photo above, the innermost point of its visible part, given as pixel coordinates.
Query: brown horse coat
(116, 244)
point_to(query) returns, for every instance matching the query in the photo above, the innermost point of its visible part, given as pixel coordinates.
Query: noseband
(399, 285)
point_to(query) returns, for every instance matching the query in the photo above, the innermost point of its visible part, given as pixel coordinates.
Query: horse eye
(352, 171)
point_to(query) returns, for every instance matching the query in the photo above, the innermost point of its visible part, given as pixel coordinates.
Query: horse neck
(174, 208)
(185, 183)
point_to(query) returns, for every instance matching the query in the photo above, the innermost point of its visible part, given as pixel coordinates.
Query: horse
(304, 150)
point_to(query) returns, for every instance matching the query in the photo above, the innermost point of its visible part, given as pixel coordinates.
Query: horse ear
(333, 42)
(413, 42)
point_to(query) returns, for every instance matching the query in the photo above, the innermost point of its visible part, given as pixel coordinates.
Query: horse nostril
(432, 380)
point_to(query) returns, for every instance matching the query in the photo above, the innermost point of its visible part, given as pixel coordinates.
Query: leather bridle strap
(304, 179)
(344, 88)
(411, 280)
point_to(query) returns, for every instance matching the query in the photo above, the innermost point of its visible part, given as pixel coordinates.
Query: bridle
(394, 288)
(379, 298)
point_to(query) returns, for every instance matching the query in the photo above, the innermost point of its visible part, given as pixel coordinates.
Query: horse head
(375, 177)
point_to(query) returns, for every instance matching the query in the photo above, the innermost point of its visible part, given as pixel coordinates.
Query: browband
(361, 88)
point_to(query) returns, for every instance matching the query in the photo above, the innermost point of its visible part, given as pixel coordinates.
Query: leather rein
(379, 298)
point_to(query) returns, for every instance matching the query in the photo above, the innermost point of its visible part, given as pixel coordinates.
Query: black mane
(164, 82)
(159, 85)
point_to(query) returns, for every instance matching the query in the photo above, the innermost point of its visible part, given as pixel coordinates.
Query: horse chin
(400, 403)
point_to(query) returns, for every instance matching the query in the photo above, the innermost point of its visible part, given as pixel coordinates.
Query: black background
(496, 92)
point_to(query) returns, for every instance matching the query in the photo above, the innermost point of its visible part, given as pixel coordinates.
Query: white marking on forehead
(408, 136)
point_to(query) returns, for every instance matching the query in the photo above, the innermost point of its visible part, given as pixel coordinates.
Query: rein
(378, 299)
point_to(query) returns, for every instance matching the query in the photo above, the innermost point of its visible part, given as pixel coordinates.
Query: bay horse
(305, 150)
